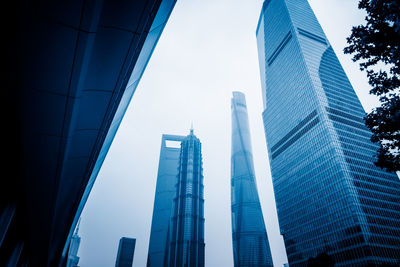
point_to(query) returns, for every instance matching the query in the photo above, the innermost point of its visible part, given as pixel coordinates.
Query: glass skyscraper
(250, 240)
(126, 250)
(73, 259)
(163, 201)
(187, 221)
(330, 196)
(177, 231)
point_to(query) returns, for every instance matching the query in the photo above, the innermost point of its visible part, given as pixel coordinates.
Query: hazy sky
(207, 50)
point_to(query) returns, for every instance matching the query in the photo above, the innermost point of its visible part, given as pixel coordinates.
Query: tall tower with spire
(177, 230)
(250, 240)
(187, 218)
(73, 258)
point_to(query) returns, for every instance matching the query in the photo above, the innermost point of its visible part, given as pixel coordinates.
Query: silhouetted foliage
(321, 260)
(376, 46)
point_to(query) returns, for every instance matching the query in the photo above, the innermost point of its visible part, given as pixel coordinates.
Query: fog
(207, 50)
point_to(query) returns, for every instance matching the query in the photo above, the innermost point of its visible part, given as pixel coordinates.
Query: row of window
(391, 241)
(380, 204)
(390, 192)
(348, 122)
(370, 172)
(307, 187)
(350, 254)
(330, 85)
(312, 36)
(345, 115)
(337, 88)
(349, 242)
(296, 137)
(378, 194)
(380, 212)
(354, 155)
(353, 145)
(337, 99)
(345, 106)
(354, 109)
(280, 47)
(377, 180)
(356, 132)
(365, 164)
(362, 255)
(308, 118)
(335, 82)
(391, 222)
(315, 146)
(386, 252)
(382, 230)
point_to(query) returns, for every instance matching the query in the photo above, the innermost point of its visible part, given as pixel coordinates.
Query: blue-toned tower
(163, 200)
(187, 221)
(250, 240)
(73, 259)
(126, 251)
(330, 196)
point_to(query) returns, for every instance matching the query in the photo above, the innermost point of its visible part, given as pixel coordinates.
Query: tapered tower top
(238, 97)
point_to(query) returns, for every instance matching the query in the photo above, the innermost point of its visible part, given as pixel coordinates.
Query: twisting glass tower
(250, 241)
(330, 196)
(187, 222)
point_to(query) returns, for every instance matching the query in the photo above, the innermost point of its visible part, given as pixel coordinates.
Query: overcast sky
(207, 50)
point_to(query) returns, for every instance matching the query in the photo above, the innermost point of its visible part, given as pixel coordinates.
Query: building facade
(250, 240)
(126, 251)
(186, 246)
(73, 259)
(73, 68)
(163, 200)
(330, 196)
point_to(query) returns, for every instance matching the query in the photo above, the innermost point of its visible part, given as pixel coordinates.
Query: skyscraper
(73, 259)
(163, 200)
(250, 240)
(187, 221)
(330, 196)
(126, 250)
(177, 230)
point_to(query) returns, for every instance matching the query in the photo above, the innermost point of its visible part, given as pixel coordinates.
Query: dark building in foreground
(126, 251)
(72, 68)
(177, 231)
(250, 240)
(332, 201)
